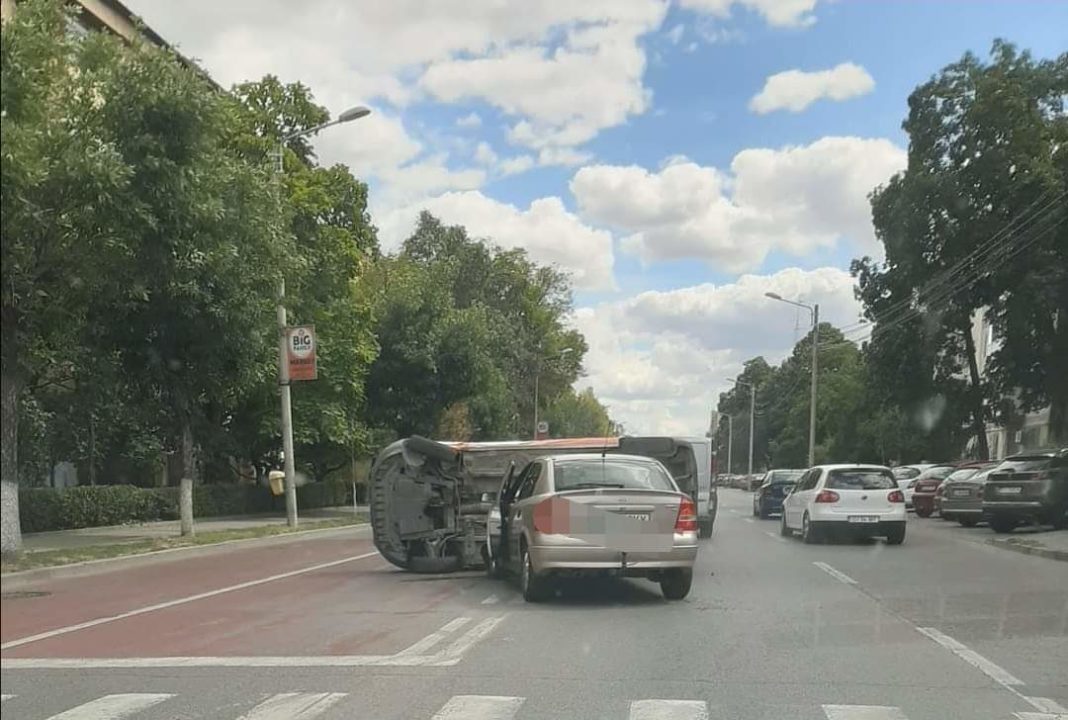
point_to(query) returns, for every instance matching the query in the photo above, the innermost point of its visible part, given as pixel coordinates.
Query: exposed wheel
(676, 583)
(923, 511)
(784, 529)
(809, 533)
(532, 586)
(896, 534)
(1002, 524)
(967, 521)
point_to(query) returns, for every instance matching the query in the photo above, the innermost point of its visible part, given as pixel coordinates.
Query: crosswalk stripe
(863, 712)
(113, 707)
(668, 710)
(479, 707)
(293, 706)
(434, 638)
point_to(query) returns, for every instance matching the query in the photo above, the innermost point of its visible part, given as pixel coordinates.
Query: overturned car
(431, 501)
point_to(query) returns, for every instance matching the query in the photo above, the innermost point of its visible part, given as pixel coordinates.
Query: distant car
(904, 474)
(861, 500)
(768, 498)
(595, 514)
(1030, 487)
(925, 487)
(908, 486)
(962, 495)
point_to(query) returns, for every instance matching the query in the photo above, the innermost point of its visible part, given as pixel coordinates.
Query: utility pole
(812, 400)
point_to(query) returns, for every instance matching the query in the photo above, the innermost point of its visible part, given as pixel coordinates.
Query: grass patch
(56, 558)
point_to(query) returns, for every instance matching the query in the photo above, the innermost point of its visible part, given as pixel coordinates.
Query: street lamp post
(289, 464)
(814, 311)
(752, 415)
(537, 381)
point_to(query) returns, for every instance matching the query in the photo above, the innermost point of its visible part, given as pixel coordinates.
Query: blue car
(767, 499)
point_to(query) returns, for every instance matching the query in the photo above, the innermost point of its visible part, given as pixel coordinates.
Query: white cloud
(779, 13)
(487, 157)
(795, 90)
(471, 120)
(675, 34)
(794, 199)
(546, 230)
(516, 165)
(659, 359)
(484, 154)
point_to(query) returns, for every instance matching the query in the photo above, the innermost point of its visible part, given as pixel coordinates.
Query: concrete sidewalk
(117, 534)
(1051, 544)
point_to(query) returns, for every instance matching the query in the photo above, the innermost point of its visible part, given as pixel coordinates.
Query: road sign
(301, 352)
(542, 431)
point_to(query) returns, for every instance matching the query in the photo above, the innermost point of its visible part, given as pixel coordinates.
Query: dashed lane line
(992, 670)
(835, 573)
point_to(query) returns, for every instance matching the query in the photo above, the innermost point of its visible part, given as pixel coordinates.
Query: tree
(577, 414)
(59, 193)
(977, 221)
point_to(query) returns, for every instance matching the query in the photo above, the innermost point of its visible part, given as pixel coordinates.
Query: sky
(678, 158)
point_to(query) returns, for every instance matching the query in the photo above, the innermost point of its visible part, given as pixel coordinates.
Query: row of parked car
(1027, 488)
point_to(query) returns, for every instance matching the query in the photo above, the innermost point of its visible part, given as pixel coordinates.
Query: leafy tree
(577, 414)
(977, 221)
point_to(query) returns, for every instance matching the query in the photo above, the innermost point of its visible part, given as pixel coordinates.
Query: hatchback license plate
(1009, 490)
(863, 518)
(644, 517)
(962, 492)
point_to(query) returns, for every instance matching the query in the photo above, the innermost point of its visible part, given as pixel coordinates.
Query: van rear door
(676, 455)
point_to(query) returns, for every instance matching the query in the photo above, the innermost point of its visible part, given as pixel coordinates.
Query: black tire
(430, 448)
(1059, 522)
(809, 533)
(432, 565)
(676, 583)
(784, 529)
(764, 514)
(947, 517)
(896, 534)
(493, 567)
(756, 512)
(704, 528)
(923, 512)
(968, 522)
(1001, 524)
(532, 586)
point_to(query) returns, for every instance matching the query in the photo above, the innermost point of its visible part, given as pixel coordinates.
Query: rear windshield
(783, 476)
(860, 479)
(937, 473)
(579, 474)
(1025, 464)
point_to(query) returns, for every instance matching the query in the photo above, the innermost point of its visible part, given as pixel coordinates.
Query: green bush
(40, 509)
(328, 493)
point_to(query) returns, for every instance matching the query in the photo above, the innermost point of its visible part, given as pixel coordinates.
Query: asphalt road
(321, 627)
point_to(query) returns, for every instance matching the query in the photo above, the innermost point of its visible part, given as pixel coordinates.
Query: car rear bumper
(1021, 509)
(841, 516)
(551, 558)
(962, 507)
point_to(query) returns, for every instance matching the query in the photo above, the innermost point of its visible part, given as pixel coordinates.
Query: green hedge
(42, 509)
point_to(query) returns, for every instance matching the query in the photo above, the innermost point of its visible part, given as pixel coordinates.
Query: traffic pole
(287, 411)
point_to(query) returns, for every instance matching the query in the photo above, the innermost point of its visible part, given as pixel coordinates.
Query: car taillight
(553, 516)
(896, 496)
(827, 496)
(687, 517)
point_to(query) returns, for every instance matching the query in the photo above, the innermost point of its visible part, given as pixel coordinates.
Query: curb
(1045, 552)
(15, 580)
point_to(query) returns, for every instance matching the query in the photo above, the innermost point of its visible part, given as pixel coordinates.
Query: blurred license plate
(1009, 490)
(644, 517)
(863, 518)
(961, 492)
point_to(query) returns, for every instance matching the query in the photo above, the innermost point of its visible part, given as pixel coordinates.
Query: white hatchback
(860, 500)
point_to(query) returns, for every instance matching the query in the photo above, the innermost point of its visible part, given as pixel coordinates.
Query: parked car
(908, 486)
(925, 487)
(769, 496)
(962, 495)
(585, 514)
(1031, 487)
(861, 500)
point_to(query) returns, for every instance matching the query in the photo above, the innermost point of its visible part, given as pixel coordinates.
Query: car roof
(850, 466)
(599, 456)
(1044, 452)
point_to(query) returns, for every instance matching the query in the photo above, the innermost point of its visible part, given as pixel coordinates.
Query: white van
(690, 461)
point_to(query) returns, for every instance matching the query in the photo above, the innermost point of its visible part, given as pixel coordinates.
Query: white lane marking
(113, 707)
(1047, 705)
(255, 661)
(179, 601)
(293, 706)
(5, 698)
(491, 600)
(479, 707)
(838, 575)
(774, 536)
(454, 652)
(863, 712)
(1040, 716)
(992, 670)
(668, 710)
(749, 520)
(434, 638)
